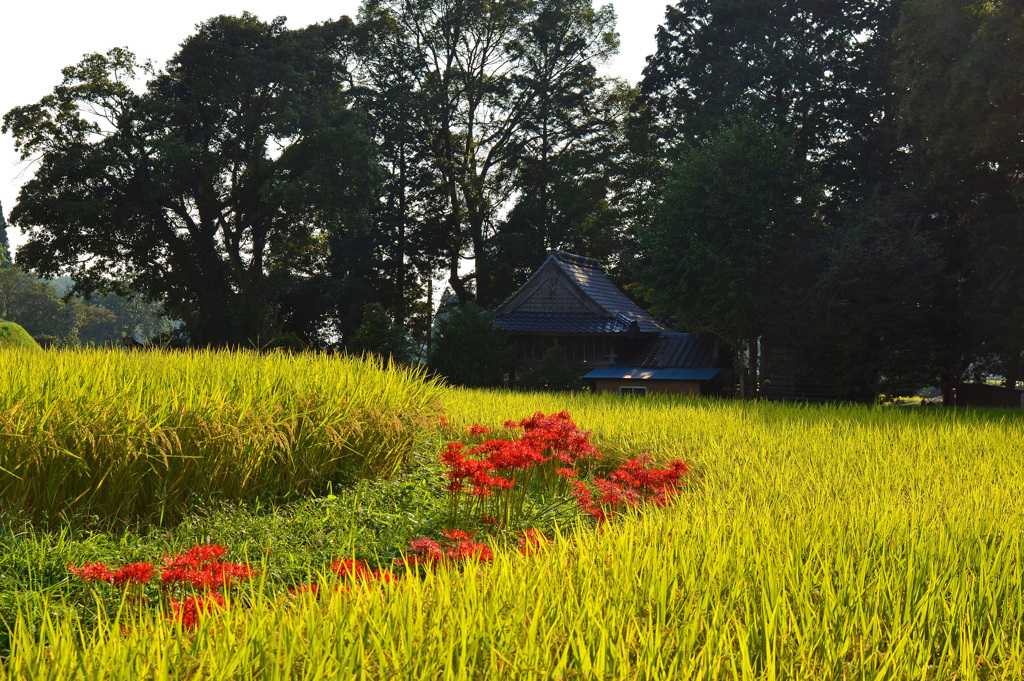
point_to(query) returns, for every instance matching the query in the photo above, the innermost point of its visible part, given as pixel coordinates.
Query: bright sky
(39, 38)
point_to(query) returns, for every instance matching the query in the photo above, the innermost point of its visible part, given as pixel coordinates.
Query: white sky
(39, 38)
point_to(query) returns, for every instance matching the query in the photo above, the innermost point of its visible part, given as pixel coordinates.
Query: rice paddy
(813, 542)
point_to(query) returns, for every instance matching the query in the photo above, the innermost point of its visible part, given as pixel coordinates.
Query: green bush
(467, 349)
(13, 336)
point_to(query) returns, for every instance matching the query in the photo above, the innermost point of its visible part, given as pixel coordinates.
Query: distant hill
(13, 336)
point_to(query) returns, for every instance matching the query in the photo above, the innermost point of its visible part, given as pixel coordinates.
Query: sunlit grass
(814, 543)
(148, 434)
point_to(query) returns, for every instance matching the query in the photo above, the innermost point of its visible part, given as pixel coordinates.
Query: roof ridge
(579, 260)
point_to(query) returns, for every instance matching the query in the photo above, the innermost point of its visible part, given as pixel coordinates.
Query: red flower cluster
(357, 570)
(202, 567)
(631, 484)
(496, 466)
(477, 473)
(477, 429)
(558, 435)
(136, 573)
(312, 588)
(351, 569)
(454, 546)
(187, 611)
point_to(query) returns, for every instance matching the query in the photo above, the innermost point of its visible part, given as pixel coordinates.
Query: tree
(35, 306)
(5, 242)
(467, 349)
(730, 209)
(875, 310)
(379, 334)
(961, 84)
(234, 181)
(409, 218)
(560, 165)
(815, 70)
(483, 71)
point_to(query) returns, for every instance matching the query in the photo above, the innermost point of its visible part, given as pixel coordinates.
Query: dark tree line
(272, 182)
(840, 178)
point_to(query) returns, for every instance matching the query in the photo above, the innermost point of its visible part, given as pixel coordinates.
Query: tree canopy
(235, 178)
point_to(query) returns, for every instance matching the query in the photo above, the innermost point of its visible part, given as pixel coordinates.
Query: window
(633, 390)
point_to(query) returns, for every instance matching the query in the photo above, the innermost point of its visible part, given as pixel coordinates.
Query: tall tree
(563, 150)
(715, 251)
(409, 219)
(486, 68)
(817, 70)
(5, 241)
(234, 179)
(961, 85)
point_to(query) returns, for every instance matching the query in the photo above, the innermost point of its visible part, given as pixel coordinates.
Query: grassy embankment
(814, 542)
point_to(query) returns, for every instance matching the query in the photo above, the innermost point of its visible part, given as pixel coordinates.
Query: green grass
(13, 336)
(132, 436)
(815, 542)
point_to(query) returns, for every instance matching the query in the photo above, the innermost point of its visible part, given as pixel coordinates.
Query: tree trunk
(752, 370)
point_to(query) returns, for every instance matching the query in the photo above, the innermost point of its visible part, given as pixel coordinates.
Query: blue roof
(640, 373)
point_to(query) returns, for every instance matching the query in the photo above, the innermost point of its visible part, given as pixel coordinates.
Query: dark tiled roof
(674, 350)
(560, 323)
(587, 273)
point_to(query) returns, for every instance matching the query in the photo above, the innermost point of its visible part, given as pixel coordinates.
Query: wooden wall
(552, 296)
(612, 385)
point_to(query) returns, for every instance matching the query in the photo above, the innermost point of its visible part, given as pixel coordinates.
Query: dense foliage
(229, 187)
(466, 348)
(267, 183)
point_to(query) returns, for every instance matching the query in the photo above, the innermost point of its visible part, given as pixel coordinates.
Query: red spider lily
(455, 535)
(196, 557)
(311, 588)
(91, 572)
(585, 498)
(477, 429)
(384, 575)
(188, 610)
(632, 484)
(202, 568)
(558, 434)
(488, 471)
(352, 568)
(457, 545)
(136, 573)
(637, 475)
(443, 422)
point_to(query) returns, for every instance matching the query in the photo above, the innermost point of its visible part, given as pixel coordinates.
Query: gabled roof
(595, 297)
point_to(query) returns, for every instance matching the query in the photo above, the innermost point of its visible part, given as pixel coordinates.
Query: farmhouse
(570, 304)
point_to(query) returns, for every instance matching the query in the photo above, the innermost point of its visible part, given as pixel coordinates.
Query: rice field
(813, 542)
(144, 435)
